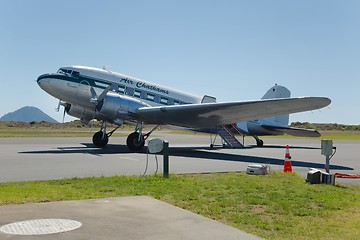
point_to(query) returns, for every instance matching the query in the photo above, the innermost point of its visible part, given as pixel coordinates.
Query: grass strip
(276, 206)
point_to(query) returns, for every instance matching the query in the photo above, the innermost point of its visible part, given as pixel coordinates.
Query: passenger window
(137, 94)
(150, 97)
(121, 89)
(164, 100)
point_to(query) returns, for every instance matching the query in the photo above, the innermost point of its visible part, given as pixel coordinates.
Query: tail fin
(277, 91)
(276, 125)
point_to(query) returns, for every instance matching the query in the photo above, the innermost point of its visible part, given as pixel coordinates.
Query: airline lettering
(72, 85)
(127, 81)
(151, 87)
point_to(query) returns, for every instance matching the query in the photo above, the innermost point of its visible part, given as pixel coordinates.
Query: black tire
(260, 143)
(133, 142)
(100, 139)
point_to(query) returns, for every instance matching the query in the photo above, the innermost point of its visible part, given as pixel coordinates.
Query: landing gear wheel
(133, 142)
(259, 143)
(100, 139)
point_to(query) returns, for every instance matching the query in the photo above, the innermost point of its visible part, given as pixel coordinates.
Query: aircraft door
(84, 89)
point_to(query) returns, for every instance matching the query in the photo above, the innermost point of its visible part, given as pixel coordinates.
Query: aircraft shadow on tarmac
(197, 153)
(283, 147)
(189, 152)
(86, 149)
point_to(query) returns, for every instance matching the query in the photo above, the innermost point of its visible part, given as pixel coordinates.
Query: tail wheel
(133, 142)
(100, 139)
(259, 143)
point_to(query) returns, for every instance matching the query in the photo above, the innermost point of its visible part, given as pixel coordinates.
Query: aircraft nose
(42, 79)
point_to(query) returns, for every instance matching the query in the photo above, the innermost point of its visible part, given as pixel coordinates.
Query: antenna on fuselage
(106, 68)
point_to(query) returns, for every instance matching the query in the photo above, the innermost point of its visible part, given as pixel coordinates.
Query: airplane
(91, 93)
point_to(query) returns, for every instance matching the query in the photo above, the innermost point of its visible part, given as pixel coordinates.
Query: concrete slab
(128, 218)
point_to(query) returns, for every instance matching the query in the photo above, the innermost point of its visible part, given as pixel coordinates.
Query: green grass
(341, 135)
(277, 206)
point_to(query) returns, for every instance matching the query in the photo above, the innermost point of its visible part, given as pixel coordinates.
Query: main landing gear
(101, 138)
(135, 141)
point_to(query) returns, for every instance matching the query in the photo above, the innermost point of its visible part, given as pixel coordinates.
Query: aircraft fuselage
(72, 85)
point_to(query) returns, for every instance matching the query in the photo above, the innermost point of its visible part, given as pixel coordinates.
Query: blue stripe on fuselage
(79, 79)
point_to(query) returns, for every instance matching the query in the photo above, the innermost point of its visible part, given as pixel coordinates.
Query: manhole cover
(40, 226)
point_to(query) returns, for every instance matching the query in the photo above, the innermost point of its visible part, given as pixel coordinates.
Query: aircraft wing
(215, 114)
(298, 132)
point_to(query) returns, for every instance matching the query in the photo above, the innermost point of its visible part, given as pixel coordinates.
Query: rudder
(277, 91)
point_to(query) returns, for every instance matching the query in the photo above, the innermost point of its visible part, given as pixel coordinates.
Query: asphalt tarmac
(26, 159)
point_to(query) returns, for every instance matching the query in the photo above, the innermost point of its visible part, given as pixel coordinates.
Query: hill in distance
(27, 114)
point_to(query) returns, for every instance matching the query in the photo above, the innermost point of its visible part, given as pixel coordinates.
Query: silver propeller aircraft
(90, 93)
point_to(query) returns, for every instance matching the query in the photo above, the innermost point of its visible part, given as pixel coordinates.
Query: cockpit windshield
(64, 71)
(68, 72)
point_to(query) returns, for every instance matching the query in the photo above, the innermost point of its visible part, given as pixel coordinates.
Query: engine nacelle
(114, 108)
(79, 112)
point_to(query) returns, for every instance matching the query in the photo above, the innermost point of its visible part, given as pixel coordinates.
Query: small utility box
(314, 176)
(328, 178)
(257, 169)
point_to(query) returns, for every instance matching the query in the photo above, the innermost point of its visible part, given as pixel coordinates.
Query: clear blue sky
(234, 50)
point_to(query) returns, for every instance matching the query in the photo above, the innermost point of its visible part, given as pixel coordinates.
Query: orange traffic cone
(287, 162)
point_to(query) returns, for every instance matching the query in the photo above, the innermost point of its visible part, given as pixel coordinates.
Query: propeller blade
(63, 118)
(103, 94)
(58, 106)
(93, 93)
(94, 98)
(97, 99)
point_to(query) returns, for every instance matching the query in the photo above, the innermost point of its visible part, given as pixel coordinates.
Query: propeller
(63, 118)
(98, 100)
(65, 105)
(57, 109)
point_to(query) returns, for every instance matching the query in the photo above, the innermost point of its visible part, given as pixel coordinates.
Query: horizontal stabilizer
(298, 132)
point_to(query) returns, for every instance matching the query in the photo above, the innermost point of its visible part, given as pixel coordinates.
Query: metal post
(327, 164)
(326, 150)
(166, 159)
